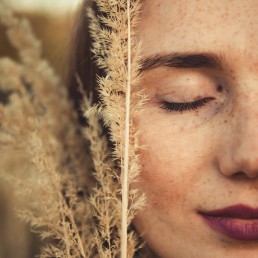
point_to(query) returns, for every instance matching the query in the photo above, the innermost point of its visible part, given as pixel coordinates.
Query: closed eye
(185, 106)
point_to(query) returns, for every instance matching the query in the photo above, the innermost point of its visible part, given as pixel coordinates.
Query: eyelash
(185, 106)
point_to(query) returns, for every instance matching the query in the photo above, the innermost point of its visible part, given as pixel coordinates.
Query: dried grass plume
(42, 153)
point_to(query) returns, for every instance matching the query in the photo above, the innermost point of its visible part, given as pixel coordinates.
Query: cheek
(163, 178)
(174, 160)
(171, 167)
(162, 193)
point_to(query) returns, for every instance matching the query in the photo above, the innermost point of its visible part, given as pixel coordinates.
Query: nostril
(244, 175)
(240, 175)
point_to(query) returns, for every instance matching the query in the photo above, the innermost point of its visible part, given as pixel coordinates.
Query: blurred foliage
(54, 33)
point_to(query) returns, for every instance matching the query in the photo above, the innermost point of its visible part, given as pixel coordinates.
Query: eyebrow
(183, 60)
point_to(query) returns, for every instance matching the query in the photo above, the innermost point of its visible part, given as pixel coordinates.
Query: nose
(239, 153)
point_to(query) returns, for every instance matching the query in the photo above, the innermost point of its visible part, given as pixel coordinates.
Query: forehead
(199, 25)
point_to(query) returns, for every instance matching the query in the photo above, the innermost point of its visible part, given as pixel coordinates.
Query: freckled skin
(202, 159)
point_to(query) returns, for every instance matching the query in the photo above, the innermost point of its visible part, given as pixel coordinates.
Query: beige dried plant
(42, 154)
(118, 53)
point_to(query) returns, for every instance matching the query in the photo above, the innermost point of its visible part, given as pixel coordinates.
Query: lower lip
(239, 229)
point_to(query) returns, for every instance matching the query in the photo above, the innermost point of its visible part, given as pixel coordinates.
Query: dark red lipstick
(239, 222)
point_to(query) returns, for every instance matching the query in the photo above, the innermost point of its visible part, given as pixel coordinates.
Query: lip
(239, 222)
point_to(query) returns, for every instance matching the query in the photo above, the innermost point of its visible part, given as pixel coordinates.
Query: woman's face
(200, 128)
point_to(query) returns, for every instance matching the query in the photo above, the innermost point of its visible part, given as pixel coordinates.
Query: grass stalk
(127, 143)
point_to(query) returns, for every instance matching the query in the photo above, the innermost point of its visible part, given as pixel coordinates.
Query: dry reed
(42, 155)
(44, 158)
(117, 53)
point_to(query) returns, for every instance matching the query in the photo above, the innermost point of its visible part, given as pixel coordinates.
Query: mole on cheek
(219, 88)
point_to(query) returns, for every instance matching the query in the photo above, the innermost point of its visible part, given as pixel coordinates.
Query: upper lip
(239, 211)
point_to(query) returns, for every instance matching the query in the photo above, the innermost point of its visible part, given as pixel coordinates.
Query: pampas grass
(40, 141)
(117, 53)
(42, 156)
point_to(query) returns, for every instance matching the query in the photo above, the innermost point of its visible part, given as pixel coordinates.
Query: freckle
(196, 112)
(255, 187)
(219, 88)
(217, 109)
(225, 121)
(256, 65)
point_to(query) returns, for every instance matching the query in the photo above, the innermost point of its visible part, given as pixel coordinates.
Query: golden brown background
(54, 29)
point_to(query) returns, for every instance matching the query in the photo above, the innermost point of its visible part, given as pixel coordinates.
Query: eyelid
(185, 106)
